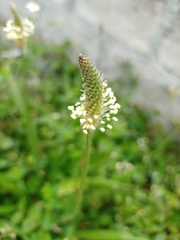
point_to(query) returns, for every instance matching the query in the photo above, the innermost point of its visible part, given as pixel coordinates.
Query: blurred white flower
(19, 29)
(123, 166)
(33, 6)
(14, 32)
(142, 144)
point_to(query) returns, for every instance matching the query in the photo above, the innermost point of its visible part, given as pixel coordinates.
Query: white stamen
(90, 120)
(117, 105)
(71, 108)
(109, 126)
(82, 120)
(92, 127)
(73, 116)
(115, 119)
(102, 129)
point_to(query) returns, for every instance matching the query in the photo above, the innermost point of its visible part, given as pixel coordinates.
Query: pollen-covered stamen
(97, 103)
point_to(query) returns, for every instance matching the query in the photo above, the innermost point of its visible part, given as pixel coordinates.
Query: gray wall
(144, 32)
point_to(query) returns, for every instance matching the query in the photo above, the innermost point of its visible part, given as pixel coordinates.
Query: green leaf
(107, 235)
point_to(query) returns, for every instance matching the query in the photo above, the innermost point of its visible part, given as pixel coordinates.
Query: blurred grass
(133, 186)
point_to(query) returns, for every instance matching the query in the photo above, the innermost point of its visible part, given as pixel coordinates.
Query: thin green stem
(21, 97)
(84, 174)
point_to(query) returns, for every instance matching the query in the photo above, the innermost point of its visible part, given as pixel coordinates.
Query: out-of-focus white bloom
(19, 29)
(123, 166)
(33, 6)
(142, 143)
(14, 32)
(97, 104)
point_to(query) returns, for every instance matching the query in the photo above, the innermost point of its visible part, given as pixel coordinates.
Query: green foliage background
(133, 185)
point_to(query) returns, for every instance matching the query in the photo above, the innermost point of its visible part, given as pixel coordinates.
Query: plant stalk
(84, 173)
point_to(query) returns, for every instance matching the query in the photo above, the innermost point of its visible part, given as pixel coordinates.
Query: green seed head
(17, 18)
(97, 102)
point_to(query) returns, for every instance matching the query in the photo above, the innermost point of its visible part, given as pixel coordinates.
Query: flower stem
(84, 173)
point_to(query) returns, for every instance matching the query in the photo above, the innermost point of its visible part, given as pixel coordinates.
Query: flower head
(33, 6)
(97, 104)
(18, 29)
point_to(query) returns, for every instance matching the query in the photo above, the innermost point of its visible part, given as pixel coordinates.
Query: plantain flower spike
(19, 29)
(97, 105)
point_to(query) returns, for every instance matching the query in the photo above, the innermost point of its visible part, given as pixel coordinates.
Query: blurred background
(133, 186)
